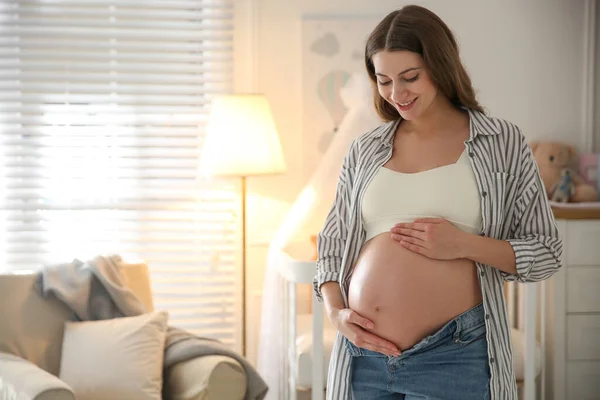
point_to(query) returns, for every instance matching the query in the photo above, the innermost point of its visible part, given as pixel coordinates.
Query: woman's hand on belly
(355, 328)
(435, 238)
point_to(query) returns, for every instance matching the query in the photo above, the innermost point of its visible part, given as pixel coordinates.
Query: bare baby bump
(409, 296)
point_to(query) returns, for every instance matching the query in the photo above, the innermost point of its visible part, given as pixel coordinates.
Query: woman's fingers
(417, 226)
(355, 318)
(382, 350)
(409, 232)
(373, 342)
(359, 327)
(408, 239)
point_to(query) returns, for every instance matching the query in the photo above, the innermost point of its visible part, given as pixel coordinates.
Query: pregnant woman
(434, 210)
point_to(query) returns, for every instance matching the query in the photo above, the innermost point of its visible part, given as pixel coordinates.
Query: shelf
(576, 212)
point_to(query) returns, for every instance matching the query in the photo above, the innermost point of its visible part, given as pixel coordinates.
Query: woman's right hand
(356, 329)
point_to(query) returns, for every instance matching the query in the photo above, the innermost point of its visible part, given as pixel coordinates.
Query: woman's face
(403, 81)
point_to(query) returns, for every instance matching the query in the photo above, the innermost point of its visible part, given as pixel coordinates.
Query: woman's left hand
(435, 238)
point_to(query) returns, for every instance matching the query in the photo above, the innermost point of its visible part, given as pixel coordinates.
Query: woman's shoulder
(513, 146)
(375, 136)
(495, 126)
(363, 145)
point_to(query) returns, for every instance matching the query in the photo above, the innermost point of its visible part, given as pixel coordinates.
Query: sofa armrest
(23, 380)
(211, 377)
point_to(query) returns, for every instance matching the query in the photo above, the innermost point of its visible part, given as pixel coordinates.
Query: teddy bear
(552, 159)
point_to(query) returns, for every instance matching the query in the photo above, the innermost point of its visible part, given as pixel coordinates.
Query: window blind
(103, 106)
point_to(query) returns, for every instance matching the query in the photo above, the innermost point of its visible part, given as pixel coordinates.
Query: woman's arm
(332, 297)
(331, 240)
(493, 252)
(534, 235)
(533, 250)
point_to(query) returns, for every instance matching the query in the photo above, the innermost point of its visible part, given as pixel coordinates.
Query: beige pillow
(117, 359)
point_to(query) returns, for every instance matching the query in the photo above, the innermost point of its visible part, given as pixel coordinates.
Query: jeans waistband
(471, 317)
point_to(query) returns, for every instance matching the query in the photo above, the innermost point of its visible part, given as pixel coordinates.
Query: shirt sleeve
(535, 238)
(331, 240)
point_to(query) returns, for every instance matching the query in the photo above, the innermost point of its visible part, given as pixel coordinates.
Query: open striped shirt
(514, 208)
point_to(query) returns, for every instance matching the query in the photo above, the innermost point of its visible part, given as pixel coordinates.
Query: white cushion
(118, 359)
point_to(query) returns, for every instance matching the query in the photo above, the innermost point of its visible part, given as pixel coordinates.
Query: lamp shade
(241, 137)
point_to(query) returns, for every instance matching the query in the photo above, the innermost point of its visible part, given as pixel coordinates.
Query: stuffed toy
(552, 159)
(564, 189)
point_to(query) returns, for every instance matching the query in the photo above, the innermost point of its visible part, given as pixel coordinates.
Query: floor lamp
(242, 141)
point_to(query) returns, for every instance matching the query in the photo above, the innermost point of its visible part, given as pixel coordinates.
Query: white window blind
(102, 112)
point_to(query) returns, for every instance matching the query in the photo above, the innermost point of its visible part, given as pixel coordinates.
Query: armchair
(31, 334)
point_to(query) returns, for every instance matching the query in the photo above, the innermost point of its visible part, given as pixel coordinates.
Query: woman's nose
(398, 93)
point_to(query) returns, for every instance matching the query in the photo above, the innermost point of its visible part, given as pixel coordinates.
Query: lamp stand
(244, 266)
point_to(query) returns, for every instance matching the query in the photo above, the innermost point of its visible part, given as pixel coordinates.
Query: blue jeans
(449, 364)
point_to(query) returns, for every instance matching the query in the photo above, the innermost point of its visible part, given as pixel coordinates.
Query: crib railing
(527, 312)
(296, 272)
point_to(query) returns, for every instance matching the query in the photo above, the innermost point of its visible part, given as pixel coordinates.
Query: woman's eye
(384, 83)
(412, 79)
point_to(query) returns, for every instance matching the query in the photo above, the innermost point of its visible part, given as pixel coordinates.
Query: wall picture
(332, 50)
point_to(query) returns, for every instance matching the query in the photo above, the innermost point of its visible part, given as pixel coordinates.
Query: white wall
(525, 60)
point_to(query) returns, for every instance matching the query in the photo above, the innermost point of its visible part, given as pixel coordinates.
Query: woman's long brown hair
(418, 30)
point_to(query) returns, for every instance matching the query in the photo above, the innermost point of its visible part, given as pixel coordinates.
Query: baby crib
(305, 348)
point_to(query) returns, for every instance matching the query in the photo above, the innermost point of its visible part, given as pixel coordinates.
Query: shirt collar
(480, 124)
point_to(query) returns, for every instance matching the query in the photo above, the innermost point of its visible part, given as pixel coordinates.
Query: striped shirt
(514, 208)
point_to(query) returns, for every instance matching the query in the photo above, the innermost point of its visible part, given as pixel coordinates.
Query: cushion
(119, 358)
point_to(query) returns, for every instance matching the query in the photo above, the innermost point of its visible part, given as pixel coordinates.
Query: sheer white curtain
(304, 219)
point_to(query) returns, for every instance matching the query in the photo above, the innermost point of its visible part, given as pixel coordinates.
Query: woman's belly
(409, 296)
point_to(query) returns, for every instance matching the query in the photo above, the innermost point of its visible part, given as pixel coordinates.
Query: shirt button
(492, 360)
(481, 233)
(471, 154)
(484, 194)
(487, 316)
(482, 273)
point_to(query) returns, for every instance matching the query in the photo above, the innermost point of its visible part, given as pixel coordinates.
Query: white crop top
(448, 192)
